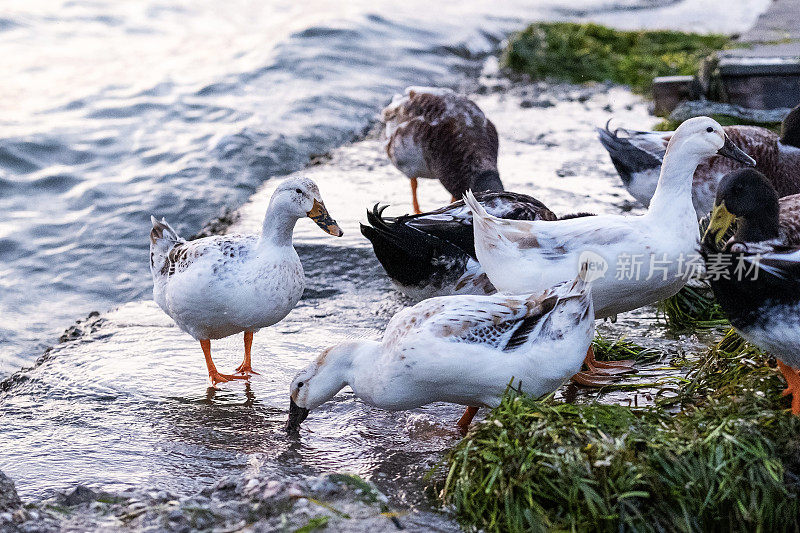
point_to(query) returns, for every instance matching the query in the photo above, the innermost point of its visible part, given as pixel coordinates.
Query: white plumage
(460, 349)
(222, 285)
(525, 256)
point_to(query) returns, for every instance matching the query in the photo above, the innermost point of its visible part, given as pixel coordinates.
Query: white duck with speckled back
(222, 285)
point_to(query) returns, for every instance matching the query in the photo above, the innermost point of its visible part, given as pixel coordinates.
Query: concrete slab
(765, 72)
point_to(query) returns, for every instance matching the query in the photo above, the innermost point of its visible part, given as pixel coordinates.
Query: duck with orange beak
(227, 284)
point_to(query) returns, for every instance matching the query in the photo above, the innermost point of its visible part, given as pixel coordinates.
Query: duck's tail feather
(407, 254)
(627, 158)
(162, 230)
(478, 211)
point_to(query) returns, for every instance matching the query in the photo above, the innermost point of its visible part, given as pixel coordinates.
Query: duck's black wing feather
(434, 248)
(410, 256)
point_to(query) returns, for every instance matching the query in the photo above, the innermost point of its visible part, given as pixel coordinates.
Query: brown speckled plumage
(790, 220)
(781, 166)
(225, 249)
(437, 134)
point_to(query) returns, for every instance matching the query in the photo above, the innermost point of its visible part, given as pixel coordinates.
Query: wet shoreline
(352, 297)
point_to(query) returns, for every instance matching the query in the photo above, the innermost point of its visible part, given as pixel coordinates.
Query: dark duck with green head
(755, 274)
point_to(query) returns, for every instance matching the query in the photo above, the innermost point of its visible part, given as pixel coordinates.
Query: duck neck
(673, 193)
(486, 180)
(278, 227)
(360, 370)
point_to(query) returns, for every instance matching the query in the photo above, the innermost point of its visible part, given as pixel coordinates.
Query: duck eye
(298, 191)
(299, 384)
(709, 129)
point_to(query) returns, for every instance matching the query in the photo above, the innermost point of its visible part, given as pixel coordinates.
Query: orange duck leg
(214, 376)
(245, 367)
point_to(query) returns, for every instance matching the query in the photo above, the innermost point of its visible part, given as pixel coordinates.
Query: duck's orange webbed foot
(216, 378)
(792, 378)
(213, 375)
(599, 372)
(607, 367)
(245, 367)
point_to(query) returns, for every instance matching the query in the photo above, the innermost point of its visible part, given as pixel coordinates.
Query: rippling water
(112, 110)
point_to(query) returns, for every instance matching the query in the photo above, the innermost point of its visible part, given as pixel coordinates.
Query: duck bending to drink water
(526, 256)
(461, 349)
(227, 284)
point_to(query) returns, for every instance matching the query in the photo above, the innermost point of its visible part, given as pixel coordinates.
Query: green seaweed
(722, 455)
(608, 350)
(692, 308)
(591, 52)
(318, 522)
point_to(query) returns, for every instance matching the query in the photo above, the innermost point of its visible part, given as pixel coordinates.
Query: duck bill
(297, 415)
(319, 214)
(734, 152)
(721, 220)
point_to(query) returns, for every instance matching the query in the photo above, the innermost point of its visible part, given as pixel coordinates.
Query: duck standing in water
(437, 134)
(459, 349)
(528, 256)
(754, 275)
(637, 156)
(227, 284)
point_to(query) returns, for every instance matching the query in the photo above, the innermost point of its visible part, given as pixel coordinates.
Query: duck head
(300, 197)
(745, 196)
(703, 137)
(319, 382)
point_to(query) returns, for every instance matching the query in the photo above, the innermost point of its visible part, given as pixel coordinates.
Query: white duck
(227, 284)
(525, 256)
(461, 349)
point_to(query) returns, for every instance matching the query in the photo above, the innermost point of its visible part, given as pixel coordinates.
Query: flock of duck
(508, 291)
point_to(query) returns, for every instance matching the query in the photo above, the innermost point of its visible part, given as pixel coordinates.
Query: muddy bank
(122, 405)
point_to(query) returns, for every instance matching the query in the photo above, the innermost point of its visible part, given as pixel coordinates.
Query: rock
(9, 499)
(78, 495)
(699, 108)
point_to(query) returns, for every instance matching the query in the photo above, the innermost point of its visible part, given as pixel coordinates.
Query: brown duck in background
(435, 133)
(637, 156)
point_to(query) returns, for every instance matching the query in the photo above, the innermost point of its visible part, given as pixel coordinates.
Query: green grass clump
(692, 308)
(721, 456)
(591, 52)
(613, 350)
(735, 371)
